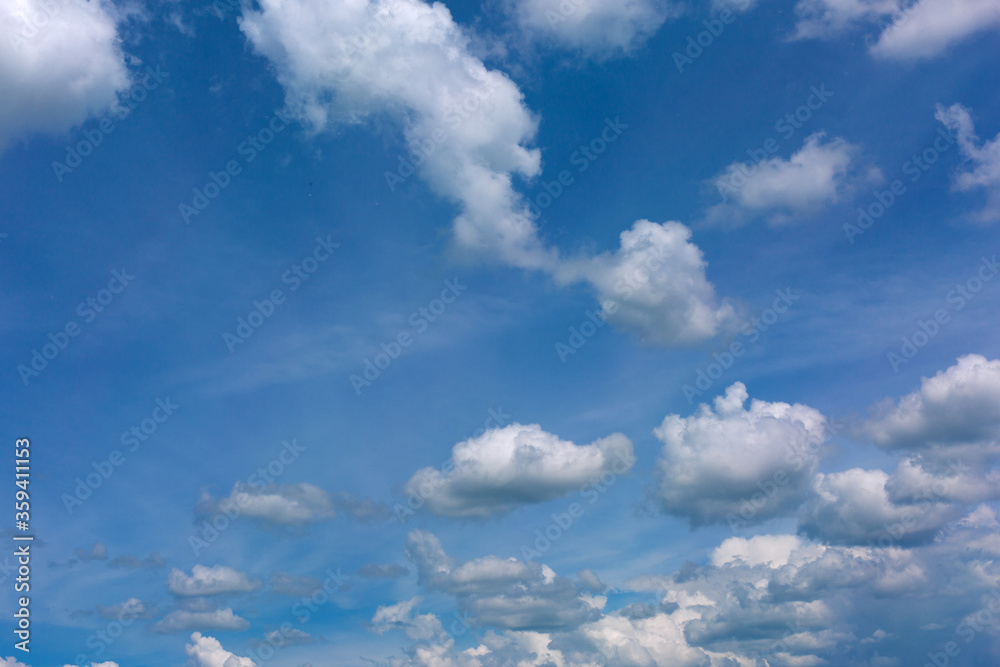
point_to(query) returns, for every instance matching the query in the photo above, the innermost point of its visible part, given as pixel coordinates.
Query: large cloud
(514, 465)
(470, 133)
(208, 652)
(738, 464)
(218, 580)
(595, 27)
(953, 415)
(60, 63)
(984, 161)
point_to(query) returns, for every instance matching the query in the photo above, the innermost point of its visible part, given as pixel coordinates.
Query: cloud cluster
(61, 63)
(470, 133)
(182, 620)
(717, 462)
(517, 464)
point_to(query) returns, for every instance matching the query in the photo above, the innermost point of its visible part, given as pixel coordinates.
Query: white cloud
(854, 507)
(983, 171)
(909, 30)
(596, 27)
(506, 467)
(928, 27)
(953, 414)
(785, 190)
(402, 616)
(287, 504)
(738, 464)
(208, 652)
(216, 580)
(654, 284)
(502, 592)
(60, 63)
(11, 662)
(185, 621)
(823, 19)
(470, 133)
(771, 550)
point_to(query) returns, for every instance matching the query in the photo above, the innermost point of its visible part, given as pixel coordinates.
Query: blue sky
(760, 432)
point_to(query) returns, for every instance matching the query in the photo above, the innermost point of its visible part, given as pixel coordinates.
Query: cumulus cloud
(514, 465)
(218, 580)
(983, 170)
(738, 464)
(783, 190)
(470, 134)
(208, 652)
(598, 28)
(501, 592)
(952, 415)
(185, 621)
(61, 63)
(854, 507)
(909, 30)
(654, 284)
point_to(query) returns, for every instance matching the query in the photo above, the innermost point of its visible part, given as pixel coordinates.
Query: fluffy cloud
(984, 170)
(11, 662)
(208, 652)
(506, 467)
(185, 621)
(61, 63)
(920, 29)
(785, 190)
(953, 414)
(469, 133)
(854, 507)
(218, 580)
(738, 464)
(596, 27)
(654, 284)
